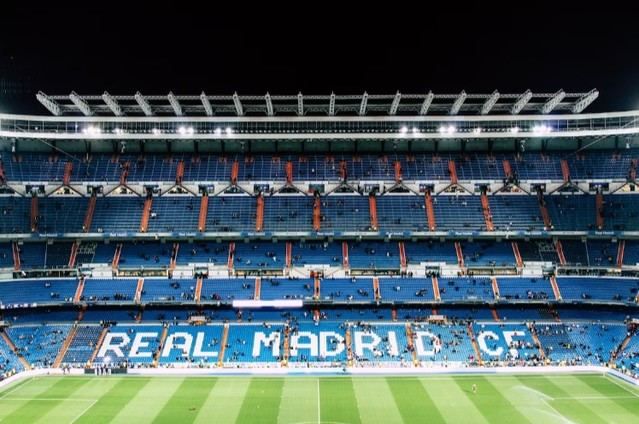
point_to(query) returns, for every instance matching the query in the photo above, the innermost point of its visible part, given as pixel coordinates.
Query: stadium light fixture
(229, 131)
(175, 104)
(144, 104)
(49, 103)
(415, 130)
(331, 105)
(521, 102)
(489, 103)
(395, 104)
(300, 104)
(541, 129)
(585, 101)
(182, 130)
(403, 130)
(454, 109)
(206, 103)
(553, 102)
(112, 104)
(238, 104)
(92, 130)
(514, 130)
(269, 104)
(156, 131)
(477, 130)
(423, 110)
(80, 103)
(218, 131)
(362, 105)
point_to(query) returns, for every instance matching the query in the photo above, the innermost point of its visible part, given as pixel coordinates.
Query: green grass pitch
(580, 398)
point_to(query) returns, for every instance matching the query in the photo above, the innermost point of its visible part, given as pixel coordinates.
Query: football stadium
(319, 259)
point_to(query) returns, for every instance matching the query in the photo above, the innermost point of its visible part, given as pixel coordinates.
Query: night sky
(316, 48)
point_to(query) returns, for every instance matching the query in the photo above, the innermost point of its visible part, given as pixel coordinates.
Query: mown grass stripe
(451, 400)
(224, 401)
(299, 400)
(614, 392)
(186, 402)
(262, 401)
(146, 404)
(111, 402)
(338, 402)
(570, 408)
(375, 401)
(413, 402)
(33, 410)
(490, 402)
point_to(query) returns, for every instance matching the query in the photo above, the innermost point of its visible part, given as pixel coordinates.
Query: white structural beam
(112, 104)
(362, 106)
(175, 104)
(395, 104)
(144, 104)
(426, 104)
(521, 102)
(80, 103)
(585, 101)
(489, 103)
(300, 104)
(238, 104)
(269, 104)
(553, 102)
(49, 103)
(459, 101)
(331, 105)
(207, 104)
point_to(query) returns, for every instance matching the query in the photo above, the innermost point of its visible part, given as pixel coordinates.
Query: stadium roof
(397, 104)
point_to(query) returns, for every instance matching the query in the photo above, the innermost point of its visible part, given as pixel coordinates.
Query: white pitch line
(84, 412)
(612, 379)
(16, 389)
(592, 397)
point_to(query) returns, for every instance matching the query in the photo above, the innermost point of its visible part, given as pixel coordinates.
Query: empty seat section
(602, 253)
(401, 213)
(516, 213)
(406, 289)
(34, 167)
(459, 213)
(16, 215)
(520, 346)
(148, 255)
(115, 290)
(449, 344)
(174, 214)
(430, 251)
(335, 340)
(373, 255)
(6, 255)
(343, 213)
(281, 288)
(385, 350)
(316, 253)
(61, 214)
(631, 253)
(536, 166)
(117, 214)
(575, 252)
(211, 340)
(104, 253)
(227, 290)
(9, 362)
(260, 255)
(230, 214)
(621, 212)
(524, 288)
(203, 253)
(242, 348)
(207, 168)
(168, 290)
(33, 255)
(83, 344)
(494, 254)
(144, 354)
(287, 213)
(465, 289)
(598, 289)
(574, 212)
(347, 289)
(13, 292)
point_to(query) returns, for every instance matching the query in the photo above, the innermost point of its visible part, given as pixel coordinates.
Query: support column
(452, 170)
(259, 214)
(372, 206)
(88, 216)
(34, 214)
(317, 214)
(430, 211)
(599, 210)
(146, 214)
(204, 210)
(488, 218)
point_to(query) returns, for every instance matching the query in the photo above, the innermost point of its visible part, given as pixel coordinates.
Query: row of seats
(361, 255)
(14, 293)
(34, 167)
(338, 213)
